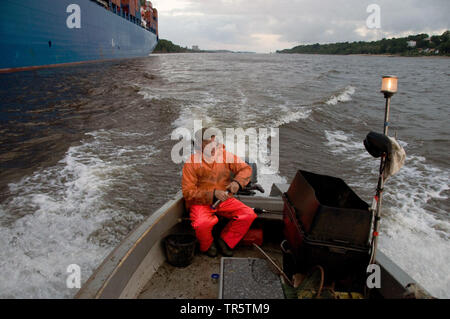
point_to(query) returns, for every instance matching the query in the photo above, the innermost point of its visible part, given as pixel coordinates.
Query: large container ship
(47, 33)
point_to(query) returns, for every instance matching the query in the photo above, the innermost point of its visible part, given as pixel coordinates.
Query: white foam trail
(413, 233)
(266, 180)
(207, 109)
(149, 95)
(65, 218)
(341, 143)
(291, 116)
(197, 112)
(344, 96)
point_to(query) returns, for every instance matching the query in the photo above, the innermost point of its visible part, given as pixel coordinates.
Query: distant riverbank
(166, 46)
(383, 55)
(413, 45)
(405, 56)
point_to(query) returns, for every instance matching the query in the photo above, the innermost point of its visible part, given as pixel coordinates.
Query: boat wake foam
(414, 233)
(344, 96)
(65, 214)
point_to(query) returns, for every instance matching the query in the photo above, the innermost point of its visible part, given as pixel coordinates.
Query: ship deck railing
(108, 5)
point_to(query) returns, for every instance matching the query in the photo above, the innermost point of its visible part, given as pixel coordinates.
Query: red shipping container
(126, 6)
(253, 236)
(155, 15)
(132, 8)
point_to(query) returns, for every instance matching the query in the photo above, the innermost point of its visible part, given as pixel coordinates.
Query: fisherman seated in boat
(207, 178)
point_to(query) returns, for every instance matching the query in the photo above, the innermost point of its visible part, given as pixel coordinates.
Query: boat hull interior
(138, 267)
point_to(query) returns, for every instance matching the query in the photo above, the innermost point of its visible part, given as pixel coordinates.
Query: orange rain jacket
(201, 178)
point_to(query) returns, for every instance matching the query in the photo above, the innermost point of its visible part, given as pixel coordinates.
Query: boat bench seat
(271, 216)
(269, 208)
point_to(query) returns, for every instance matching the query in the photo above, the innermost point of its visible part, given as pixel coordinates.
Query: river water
(85, 151)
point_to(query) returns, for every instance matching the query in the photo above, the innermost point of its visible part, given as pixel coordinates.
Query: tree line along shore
(166, 46)
(413, 45)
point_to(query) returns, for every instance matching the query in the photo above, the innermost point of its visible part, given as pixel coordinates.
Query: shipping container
(155, 16)
(126, 6)
(138, 9)
(148, 16)
(116, 5)
(133, 7)
(149, 13)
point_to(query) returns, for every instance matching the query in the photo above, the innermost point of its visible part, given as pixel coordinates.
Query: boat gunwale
(98, 281)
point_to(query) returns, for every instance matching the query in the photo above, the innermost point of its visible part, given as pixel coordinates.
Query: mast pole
(380, 185)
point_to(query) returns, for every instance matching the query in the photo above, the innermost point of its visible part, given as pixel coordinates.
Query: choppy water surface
(85, 150)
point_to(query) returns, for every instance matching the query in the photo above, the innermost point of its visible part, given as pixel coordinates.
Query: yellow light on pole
(389, 85)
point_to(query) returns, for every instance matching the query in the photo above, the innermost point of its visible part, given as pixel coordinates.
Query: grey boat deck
(194, 281)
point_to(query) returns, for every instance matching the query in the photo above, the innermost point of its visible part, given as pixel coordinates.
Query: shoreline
(379, 55)
(400, 56)
(355, 54)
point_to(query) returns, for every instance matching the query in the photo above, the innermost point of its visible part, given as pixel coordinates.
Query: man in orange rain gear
(206, 179)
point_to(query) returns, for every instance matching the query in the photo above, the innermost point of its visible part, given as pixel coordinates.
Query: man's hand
(221, 195)
(233, 187)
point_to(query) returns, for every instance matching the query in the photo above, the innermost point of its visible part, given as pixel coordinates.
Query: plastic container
(215, 278)
(180, 249)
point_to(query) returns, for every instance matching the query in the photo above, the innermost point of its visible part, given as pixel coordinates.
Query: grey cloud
(232, 22)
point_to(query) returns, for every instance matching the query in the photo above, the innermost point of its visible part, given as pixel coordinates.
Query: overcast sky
(270, 25)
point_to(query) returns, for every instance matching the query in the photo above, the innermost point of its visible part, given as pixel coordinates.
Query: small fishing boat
(138, 267)
(313, 238)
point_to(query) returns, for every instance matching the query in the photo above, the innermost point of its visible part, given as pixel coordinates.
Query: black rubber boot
(226, 251)
(212, 251)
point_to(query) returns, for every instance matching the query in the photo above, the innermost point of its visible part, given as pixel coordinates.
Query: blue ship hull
(41, 33)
